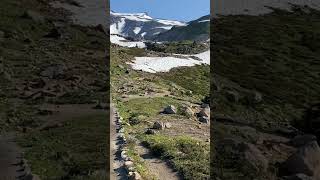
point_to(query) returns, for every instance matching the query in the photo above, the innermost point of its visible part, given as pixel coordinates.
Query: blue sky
(183, 10)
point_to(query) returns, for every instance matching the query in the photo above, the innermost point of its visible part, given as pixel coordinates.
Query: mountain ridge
(141, 26)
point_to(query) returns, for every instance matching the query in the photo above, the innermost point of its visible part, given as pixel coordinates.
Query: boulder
(204, 112)
(204, 105)
(150, 131)
(204, 119)
(134, 176)
(306, 160)
(158, 125)
(167, 125)
(170, 110)
(128, 164)
(187, 111)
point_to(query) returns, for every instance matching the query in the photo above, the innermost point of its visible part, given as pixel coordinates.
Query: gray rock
(150, 131)
(204, 105)
(134, 176)
(158, 125)
(204, 119)
(204, 112)
(120, 66)
(305, 161)
(167, 125)
(170, 110)
(128, 164)
(187, 111)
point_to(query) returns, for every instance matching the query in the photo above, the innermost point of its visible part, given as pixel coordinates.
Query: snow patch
(137, 30)
(143, 34)
(133, 16)
(117, 28)
(125, 43)
(171, 23)
(163, 27)
(165, 64)
(204, 21)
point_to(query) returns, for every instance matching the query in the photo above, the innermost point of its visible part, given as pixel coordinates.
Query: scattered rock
(150, 131)
(158, 125)
(134, 176)
(120, 66)
(204, 119)
(306, 161)
(123, 155)
(187, 111)
(128, 164)
(167, 125)
(189, 93)
(204, 112)
(170, 110)
(204, 105)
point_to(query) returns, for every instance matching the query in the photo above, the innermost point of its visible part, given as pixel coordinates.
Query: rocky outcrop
(305, 161)
(170, 110)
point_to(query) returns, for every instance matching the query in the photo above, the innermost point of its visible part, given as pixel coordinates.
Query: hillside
(160, 94)
(265, 86)
(196, 30)
(53, 73)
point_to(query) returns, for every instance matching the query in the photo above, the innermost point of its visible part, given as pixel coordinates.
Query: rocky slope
(197, 30)
(265, 91)
(50, 68)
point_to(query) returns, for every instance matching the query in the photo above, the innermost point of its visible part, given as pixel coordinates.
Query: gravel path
(117, 171)
(156, 166)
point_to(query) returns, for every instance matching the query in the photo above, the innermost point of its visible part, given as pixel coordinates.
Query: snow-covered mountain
(198, 30)
(139, 26)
